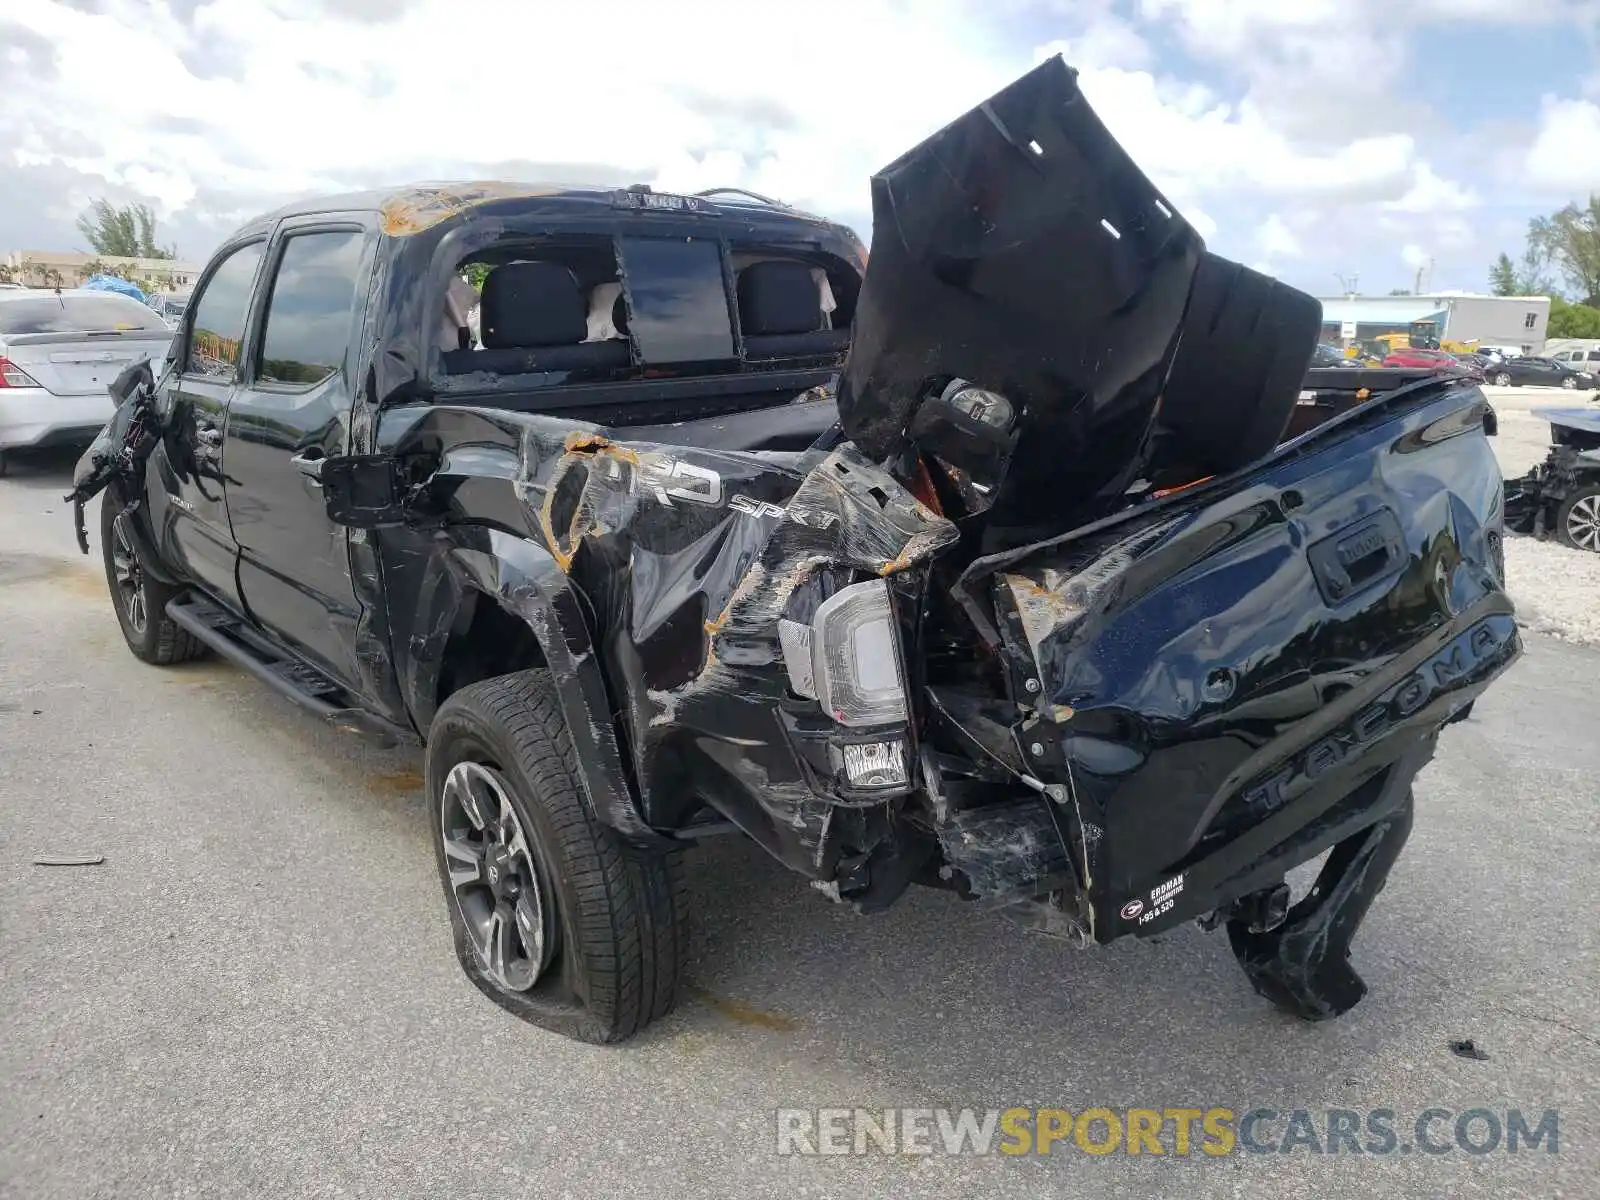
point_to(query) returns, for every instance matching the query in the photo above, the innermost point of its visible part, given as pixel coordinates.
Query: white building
(69, 268)
(1467, 317)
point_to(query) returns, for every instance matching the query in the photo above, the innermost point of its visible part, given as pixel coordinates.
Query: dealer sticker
(1162, 898)
(1167, 890)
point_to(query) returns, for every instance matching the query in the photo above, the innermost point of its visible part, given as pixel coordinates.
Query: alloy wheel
(1569, 382)
(495, 880)
(129, 577)
(1583, 522)
(1502, 380)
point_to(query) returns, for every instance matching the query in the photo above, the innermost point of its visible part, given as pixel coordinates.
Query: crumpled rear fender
(526, 581)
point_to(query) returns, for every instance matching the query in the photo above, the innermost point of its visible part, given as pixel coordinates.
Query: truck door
(194, 530)
(289, 413)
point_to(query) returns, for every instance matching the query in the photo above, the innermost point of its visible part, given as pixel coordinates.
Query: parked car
(1562, 494)
(168, 306)
(1580, 358)
(1440, 361)
(58, 353)
(1328, 393)
(1540, 372)
(1331, 356)
(639, 572)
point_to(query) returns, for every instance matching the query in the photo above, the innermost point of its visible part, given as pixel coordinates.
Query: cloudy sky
(1305, 137)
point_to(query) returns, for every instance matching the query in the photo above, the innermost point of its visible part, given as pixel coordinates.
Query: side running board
(281, 671)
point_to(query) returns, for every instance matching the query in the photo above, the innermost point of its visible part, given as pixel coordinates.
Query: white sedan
(58, 353)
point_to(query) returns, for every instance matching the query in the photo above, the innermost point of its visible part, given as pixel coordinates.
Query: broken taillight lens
(12, 375)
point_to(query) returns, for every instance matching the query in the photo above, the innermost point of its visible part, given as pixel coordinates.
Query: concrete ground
(254, 994)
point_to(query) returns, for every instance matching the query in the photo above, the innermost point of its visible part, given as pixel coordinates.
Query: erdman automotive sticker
(1161, 900)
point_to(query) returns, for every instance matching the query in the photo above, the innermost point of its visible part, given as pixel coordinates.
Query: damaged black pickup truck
(985, 567)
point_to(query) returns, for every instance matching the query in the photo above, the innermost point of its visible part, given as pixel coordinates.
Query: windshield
(79, 313)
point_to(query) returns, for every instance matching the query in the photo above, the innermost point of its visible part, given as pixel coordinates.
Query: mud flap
(1303, 966)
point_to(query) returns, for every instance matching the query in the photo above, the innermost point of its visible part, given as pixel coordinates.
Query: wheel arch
(502, 604)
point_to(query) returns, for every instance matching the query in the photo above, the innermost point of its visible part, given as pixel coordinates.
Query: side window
(1528, 321)
(313, 301)
(219, 315)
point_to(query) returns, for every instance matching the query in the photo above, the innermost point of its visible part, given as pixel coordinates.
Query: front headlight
(847, 659)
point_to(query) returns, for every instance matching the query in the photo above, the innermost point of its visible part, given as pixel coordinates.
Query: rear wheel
(554, 919)
(140, 600)
(1578, 521)
(1502, 380)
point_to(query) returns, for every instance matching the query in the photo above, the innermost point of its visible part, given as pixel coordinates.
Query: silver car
(169, 306)
(58, 352)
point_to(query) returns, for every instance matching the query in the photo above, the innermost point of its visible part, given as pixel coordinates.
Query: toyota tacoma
(988, 566)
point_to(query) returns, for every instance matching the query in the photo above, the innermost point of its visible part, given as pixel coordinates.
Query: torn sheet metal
(683, 561)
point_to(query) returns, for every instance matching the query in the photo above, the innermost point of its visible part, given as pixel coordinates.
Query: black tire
(1578, 520)
(611, 920)
(1502, 380)
(4, 466)
(1570, 382)
(154, 636)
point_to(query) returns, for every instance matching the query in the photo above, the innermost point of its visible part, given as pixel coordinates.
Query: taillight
(12, 375)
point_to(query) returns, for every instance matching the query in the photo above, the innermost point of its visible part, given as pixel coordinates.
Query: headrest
(532, 304)
(779, 297)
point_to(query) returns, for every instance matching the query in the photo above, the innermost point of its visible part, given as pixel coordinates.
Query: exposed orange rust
(411, 211)
(581, 441)
(922, 488)
(1182, 487)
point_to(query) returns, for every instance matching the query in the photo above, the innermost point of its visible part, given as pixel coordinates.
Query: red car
(1432, 360)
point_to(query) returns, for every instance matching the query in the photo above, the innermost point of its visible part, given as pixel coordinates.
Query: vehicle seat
(780, 313)
(1247, 342)
(608, 313)
(532, 317)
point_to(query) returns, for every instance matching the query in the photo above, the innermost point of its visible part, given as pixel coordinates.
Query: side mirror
(363, 491)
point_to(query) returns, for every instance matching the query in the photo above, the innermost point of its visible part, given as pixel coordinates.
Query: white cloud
(1275, 240)
(1414, 256)
(1429, 193)
(1565, 154)
(1291, 119)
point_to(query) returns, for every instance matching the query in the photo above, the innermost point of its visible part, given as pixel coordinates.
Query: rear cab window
(78, 313)
(220, 308)
(579, 309)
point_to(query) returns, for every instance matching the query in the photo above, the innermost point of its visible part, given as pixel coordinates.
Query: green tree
(1570, 241)
(1530, 279)
(1572, 320)
(1503, 276)
(125, 232)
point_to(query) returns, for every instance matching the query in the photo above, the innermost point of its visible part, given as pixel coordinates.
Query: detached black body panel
(1022, 249)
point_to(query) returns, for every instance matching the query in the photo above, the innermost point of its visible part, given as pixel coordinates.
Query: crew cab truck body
(1022, 598)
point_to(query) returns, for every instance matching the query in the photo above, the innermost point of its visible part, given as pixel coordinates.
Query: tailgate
(78, 365)
(1223, 671)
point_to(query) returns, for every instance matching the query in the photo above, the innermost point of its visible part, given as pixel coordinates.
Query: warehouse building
(1465, 317)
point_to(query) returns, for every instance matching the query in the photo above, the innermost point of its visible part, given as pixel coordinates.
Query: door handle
(309, 463)
(209, 436)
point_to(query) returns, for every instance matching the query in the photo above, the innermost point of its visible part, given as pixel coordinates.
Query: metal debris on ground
(1467, 1048)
